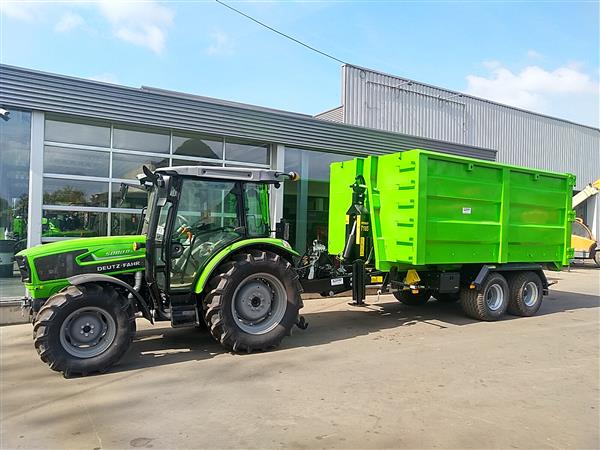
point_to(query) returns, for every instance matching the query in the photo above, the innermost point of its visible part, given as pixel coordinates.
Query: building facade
(386, 102)
(67, 144)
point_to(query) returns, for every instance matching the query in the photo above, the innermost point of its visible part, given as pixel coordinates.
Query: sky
(537, 55)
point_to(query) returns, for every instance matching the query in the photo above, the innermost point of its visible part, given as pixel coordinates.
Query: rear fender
(100, 278)
(276, 245)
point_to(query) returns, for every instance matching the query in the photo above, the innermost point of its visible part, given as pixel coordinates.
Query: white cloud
(18, 10)
(140, 23)
(566, 91)
(105, 78)
(532, 54)
(68, 22)
(222, 44)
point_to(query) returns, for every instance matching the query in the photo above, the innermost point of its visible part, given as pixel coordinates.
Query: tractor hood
(45, 269)
(102, 247)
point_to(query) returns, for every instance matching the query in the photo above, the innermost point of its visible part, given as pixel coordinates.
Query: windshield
(207, 219)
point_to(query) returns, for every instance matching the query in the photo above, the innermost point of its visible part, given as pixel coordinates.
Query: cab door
(207, 219)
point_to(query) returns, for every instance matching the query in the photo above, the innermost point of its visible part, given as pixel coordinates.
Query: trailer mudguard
(277, 245)
(487, 268)
(100, 278)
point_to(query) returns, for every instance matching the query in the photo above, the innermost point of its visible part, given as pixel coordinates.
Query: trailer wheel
(253, 303)
(525, 293)
(84, 329)
(408, 298)
(489, 302)
(597, 258)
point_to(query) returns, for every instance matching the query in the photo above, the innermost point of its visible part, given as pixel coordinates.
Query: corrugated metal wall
(33, 90)
(335, 114)
(386, 102)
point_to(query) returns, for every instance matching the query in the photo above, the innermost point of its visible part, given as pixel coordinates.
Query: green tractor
(204, 257)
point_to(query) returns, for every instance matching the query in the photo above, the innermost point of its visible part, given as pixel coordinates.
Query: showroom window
(15, 150)
(305, 203)
(85, 162)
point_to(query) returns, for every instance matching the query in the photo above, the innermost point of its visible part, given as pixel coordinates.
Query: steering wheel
(197, 231)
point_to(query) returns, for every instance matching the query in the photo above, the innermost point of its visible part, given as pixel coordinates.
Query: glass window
(70, 161)
(128, 166)
(75, 192)
(206, 222)
(73, 224)
(190, 144)
(256, 198)
(245, 151)
(305, 203)
(75, 130)
(15, 148)
(124, 223)
(142, 139)
(136, 198)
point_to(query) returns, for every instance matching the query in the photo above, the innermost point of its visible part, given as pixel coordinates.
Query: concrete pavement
(385, 376)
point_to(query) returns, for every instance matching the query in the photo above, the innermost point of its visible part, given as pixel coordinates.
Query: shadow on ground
(162, 345)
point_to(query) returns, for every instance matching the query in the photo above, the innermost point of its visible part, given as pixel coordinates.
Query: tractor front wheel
(253, 302)
(84, 329)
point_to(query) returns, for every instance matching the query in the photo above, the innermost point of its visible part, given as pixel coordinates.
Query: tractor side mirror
(282, 230)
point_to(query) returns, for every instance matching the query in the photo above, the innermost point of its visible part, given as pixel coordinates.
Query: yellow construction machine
(582, 238)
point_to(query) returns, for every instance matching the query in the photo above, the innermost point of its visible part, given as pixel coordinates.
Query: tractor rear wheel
(84, 329)
(408, 298)
(253, 301)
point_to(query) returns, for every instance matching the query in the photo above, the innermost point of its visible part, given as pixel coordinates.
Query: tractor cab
(194, 213)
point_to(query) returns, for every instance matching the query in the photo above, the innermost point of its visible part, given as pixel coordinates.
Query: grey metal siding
(23, 88)
(335, 115)
(385, 102)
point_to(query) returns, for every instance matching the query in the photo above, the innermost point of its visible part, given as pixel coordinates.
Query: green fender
(219, 257)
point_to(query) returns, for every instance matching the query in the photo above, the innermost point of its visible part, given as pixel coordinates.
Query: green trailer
(436, 224)
(419, 225)
(431, 209)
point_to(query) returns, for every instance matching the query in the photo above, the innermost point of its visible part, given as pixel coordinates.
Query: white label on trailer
(466, 210)
(337, 281)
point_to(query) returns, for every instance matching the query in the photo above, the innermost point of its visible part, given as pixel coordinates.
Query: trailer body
(431, 209)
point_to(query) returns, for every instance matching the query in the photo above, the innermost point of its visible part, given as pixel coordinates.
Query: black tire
(221, 313)
(410, 299)
(476, 303)
(447, 298)
(525, 294)
(53, 339)
(597, 258)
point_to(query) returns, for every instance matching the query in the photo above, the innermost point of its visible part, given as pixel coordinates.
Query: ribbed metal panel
(28, 89)
(335, 115)
(385, 102)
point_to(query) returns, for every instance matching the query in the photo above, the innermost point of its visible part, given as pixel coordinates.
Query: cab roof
(224, 173)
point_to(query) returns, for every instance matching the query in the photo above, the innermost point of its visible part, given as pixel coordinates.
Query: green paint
(434, 209)
(98, 250)
(223, 254)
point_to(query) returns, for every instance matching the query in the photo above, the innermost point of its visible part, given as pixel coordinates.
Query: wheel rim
(88, 332)
(530, 293)
(259, 303)
(494, 297)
